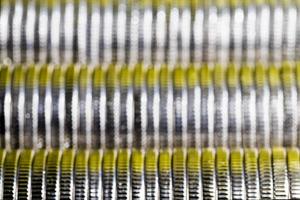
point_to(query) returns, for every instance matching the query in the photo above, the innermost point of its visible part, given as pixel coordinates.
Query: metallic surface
(149, 31)
(170, 174)
(149, 107)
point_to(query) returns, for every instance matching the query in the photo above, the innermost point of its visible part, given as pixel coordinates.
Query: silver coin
(82, 31)
(236, 32)
(251, 174)
(206, 108)
(249, 32)
(66, 177)
(180, 107)
(289, 30)
(112, 139)
(109, 187)
(99, 108)
(81, 175)
(262, 107)
(179, 178)
(194, 179)
(24, 174)
(293, 172)
(123, 174)
(223, 173)
(237, 174)
(55, 23)
(44, 108)
(5, 102)
(280, 181)
(197, 34)
(29, 32)
(68, 28)
(95, 176)
(57, 109)
(234, 107)
(94, 32)
(85, 108)
(248, 108)
(220, 107)
(165, 175)
(262, 31)
(151, 175)
(38, 176)
(153, 116)
(276, 107)
(208, 175)
(18, 100)
(53, 174)
(126, 108)
(160, 34)
(140, 138)
(2, 159)
(289, 105)
(71, 106)
(30, 110)
(193, 106)
(4, 30)
(165, 108)
(223, 34)
(276, 32)
(265, 174)
(137, 176)
(10, 171)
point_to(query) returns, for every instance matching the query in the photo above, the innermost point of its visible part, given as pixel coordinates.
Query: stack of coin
(150, 31)
(149, 99)
(166, 174)
(149, 106)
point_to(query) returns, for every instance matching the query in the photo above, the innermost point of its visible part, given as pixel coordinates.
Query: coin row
(178, 174)
(151, 31)
(93, 107)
